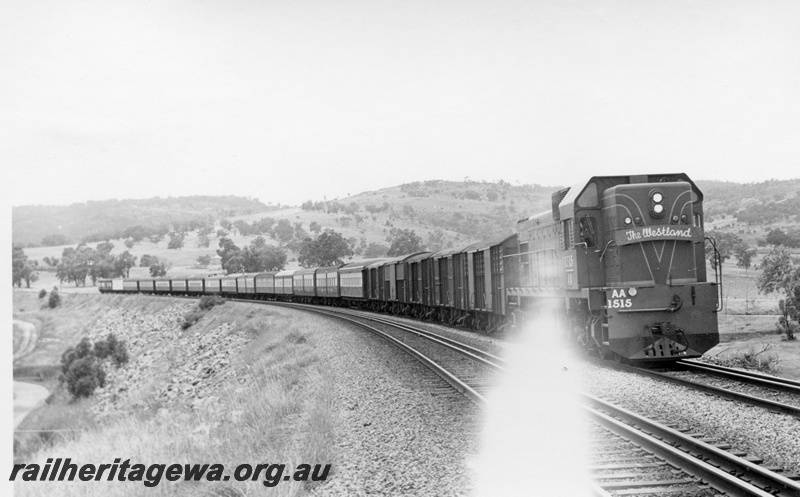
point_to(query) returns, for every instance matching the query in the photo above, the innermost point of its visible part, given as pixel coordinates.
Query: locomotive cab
(626, 256)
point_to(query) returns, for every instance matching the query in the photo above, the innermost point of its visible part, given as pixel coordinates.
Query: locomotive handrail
(656, 309)
(717, 271)
(606, 248)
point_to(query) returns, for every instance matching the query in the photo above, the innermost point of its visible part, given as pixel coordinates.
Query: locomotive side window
(588, 198)
(588, 230)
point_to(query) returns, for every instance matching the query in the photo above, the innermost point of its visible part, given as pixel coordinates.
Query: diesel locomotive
(620, 259)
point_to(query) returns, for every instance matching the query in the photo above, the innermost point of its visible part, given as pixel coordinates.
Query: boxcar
(130, 285)
(195, 286)
(415, 281)
(106, 285)
(162, 285)
(328, 282)
(396, 280)
(265, 284)
(212, 284)
(228, 284)
(283, 282)
(245, 283)
(147, 285)
(304, 283)
(354, 278)
(179, 285)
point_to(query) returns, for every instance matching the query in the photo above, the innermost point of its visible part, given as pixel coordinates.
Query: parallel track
(705, 462)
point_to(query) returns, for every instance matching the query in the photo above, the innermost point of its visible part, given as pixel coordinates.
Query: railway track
(637, 456)
(466, 369)
(755, 389)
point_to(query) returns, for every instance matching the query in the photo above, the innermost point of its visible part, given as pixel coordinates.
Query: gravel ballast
(394, 435)
(753, 430)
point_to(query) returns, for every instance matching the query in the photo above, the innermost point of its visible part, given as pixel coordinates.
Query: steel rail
(447, 376)
(693, 453)
(751, 377)
(473, 352)
(720, 392)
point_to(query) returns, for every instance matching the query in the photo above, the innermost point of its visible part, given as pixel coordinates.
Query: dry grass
(64, 326)
(282, 413)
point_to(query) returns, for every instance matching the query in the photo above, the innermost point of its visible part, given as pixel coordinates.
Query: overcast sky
(294, 100)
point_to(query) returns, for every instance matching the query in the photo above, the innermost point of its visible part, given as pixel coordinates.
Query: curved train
(622, 259)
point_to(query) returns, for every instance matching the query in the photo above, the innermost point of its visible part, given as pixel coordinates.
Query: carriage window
(588, 231)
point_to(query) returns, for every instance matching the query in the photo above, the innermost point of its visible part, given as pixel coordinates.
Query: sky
(292, 100)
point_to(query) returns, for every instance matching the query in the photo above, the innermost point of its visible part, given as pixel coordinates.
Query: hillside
(74, 223)
(442, 213)
(767, 202)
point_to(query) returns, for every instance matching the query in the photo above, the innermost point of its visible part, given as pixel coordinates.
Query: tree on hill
(781, 274)
(328, 249)
(726, 246)
(157, 237)
(403, 241)
(124, 263)
(104, 248)
(22, 269)
(744, 256)
(227, 249)
(283, 232)
(176, 240)
(256, 257)
(374, 250)
(76, 264)
(159, 269)
(147, 260)
(778, 237)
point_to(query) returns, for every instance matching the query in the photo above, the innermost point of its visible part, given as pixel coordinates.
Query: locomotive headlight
(628, 220)
(656, 208)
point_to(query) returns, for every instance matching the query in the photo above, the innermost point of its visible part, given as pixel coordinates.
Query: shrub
(72, 354)
(84, 376)
(54, 300)
(112, 347)
(42, 293)
(82, 368)
(210, 301)
(191, 318)
(750, 358)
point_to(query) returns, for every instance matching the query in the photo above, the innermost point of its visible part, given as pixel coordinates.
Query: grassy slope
(281, 414)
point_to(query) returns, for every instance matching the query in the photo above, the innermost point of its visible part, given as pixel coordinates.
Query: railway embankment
(245, 384)
(241, 385)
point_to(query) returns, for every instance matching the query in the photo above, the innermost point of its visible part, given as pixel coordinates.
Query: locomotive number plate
(619, 300)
